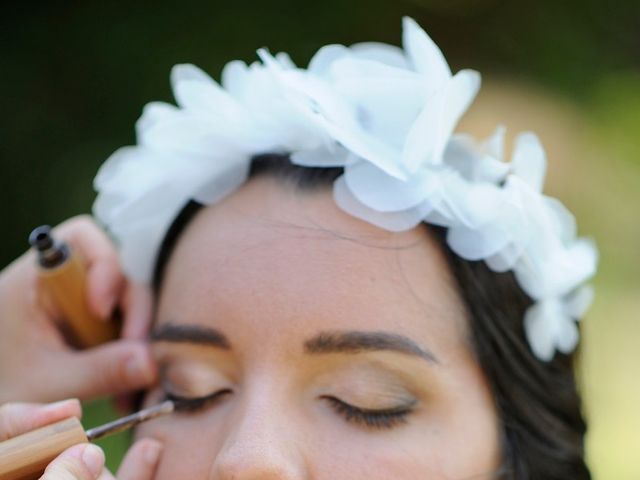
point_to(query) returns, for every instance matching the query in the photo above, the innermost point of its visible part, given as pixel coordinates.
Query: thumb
(80, 462)
(113, 368)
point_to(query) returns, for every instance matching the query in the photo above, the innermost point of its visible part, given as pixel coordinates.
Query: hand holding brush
(48, 442)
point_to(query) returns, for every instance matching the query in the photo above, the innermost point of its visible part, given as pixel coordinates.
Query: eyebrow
(359, 341)
(195, 334)
(323, 343)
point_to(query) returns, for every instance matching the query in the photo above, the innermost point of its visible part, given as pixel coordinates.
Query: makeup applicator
(26, 456)
(62, 277)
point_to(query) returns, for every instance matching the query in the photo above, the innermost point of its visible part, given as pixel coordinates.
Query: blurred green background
(75, 76)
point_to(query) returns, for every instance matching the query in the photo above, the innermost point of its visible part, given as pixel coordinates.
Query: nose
(261, 445)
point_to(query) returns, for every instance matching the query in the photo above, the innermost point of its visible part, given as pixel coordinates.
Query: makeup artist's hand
(36, 365)
(80, 462)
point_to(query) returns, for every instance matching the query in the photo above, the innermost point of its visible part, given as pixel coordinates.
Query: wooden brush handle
(66, 285)
(26, 456)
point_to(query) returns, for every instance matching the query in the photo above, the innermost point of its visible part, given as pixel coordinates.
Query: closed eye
(193, 404)
(377, 419)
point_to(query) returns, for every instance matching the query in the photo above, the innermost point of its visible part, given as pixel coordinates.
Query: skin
(272, 269)
(83, 461)
(36, 364)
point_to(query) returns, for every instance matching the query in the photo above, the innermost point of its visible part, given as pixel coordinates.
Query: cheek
(188, 454)
(468, 430)
(189, 450)
(405, 456)
(434, 448)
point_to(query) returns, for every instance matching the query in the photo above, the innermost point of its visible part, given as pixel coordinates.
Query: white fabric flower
(387, 116)
(531, 234)
(200, 150)
(395, 110)
(502, 237)
(550, 325)
(391, 114)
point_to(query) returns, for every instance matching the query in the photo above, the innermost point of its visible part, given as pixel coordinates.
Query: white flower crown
(387, 117)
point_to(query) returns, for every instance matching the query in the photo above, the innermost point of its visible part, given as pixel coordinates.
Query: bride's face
(337, 350)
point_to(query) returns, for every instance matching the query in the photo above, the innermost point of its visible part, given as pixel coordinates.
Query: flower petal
(235, 78)
(321, 62)
(429, 135)
(143, 239)
(567, 336)
(223, 180)
(188, 72)
(207, 98)
(322, 157)
(476, 244)
(506, 257)
(392, 221)
(154, 113)
(379, 191)
(578, 302)
(538, 331)
(529, 161)
(472, 203)
(474, 162)
(386, 107)
(285, 60)
(381, 52)
(494, 145)
(423, 54)
(563, 221)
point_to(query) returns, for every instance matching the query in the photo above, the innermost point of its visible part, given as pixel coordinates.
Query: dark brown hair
(538, 403)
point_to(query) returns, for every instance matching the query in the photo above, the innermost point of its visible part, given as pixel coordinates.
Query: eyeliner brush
(26, 456)
(125, 423)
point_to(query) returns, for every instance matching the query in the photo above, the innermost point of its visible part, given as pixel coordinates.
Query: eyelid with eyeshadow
(392, 414)
(375, 419)
(188, 403)
(372, 419)
(192, 378)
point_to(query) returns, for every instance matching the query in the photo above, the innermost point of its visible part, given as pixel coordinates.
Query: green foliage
(97, 413)
(616, 110)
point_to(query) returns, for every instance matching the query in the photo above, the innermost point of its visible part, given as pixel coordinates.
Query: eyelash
(375, 419)
(382, 419)
(186, 404)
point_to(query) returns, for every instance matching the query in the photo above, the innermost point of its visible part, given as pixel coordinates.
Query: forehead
(270, 255)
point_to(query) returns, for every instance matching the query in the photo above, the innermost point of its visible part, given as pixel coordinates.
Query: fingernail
(56, 405)
(93, 458)
(52, 407)
(139, 368)
(152, 452)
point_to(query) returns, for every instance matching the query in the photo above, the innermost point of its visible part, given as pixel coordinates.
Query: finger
(110, 369)
(106, 475)
(105, 282)
(137, 305)
(19, 418)
(80, 462)
(141, 460)
(105, 279)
